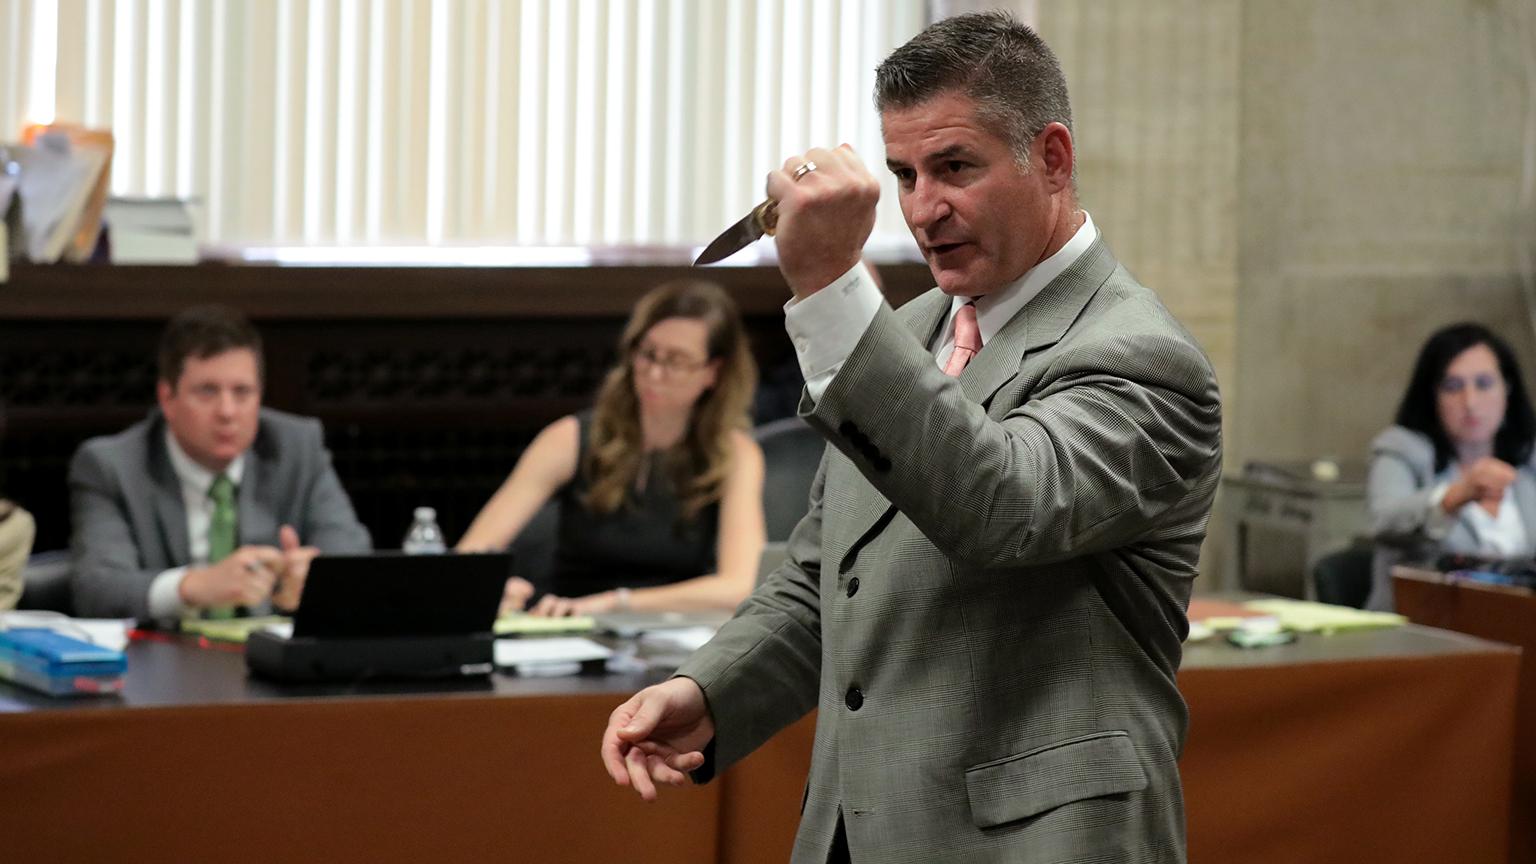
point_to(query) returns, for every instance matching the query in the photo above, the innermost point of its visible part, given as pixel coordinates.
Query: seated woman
(660, 485)
(1455, 473)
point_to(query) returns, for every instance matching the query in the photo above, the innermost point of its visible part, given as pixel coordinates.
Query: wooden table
(1503, 614)
(1384, 746)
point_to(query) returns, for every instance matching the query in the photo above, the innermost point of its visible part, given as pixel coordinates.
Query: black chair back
(791, 452)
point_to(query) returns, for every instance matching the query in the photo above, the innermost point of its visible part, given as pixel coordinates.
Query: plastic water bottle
(424, 538)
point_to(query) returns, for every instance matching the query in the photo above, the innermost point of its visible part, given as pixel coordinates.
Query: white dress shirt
(195, 481)
(826, 326)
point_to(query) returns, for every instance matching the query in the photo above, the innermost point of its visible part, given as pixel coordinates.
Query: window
(457, 122)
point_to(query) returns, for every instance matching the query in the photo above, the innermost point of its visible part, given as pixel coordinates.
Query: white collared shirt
(826, 326)
(195, 481)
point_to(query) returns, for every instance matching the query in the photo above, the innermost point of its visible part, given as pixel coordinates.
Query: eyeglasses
(669, 364)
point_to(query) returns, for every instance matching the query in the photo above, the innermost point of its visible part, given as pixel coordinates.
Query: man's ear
(163, 392)
(1054, 145)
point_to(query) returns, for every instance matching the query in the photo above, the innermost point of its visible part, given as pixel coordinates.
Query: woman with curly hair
(660, 485)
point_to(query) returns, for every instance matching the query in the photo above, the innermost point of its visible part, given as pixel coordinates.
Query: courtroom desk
(1381, 746)
(1503, 614)
(196, 761)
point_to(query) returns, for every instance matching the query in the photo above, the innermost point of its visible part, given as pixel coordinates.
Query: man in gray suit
(986, 601)
(207, 504)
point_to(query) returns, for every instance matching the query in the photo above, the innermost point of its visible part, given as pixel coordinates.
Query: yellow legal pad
(1306, 617)
(523, 624)
(229, 629)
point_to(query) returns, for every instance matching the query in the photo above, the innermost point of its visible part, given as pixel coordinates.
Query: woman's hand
(514, 598)
(1483, 481)
(551, 606)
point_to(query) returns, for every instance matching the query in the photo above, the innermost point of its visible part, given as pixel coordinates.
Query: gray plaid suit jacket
(986, 600)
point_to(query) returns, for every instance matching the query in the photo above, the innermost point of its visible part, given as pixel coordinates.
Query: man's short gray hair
(1002, 65)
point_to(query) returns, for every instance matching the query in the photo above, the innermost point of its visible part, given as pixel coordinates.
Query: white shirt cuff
(826, 326)
(165, 594)
(1437, 522)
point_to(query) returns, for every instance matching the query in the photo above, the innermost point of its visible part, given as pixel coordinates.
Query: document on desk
(553, 651)
(523, 624)
(107, 632)
(1304, 616)
(233, 629)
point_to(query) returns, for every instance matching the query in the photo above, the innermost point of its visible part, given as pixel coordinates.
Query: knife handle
(766, 215)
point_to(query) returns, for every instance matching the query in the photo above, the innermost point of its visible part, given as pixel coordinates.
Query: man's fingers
(613, 757)
(643, 722)
(639, 776)
(690, 761)
(661, 772)
(288, 538)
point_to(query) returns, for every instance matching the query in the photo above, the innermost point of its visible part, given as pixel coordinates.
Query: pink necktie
(967, 340)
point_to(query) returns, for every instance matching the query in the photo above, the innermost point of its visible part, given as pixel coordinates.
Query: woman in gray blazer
(1455, 473)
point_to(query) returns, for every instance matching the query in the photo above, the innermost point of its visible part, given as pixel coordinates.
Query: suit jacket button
(854, 699)
(853, 586)
(847, 429)
(881, 464)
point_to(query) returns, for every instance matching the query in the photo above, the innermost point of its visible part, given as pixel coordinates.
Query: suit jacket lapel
(257, 523)
(170, 509)
(1040, 324)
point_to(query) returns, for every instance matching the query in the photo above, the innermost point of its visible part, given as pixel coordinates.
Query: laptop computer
(389, 594)
(388, 615)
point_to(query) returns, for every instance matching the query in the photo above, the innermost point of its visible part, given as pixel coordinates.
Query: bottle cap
(426, 514)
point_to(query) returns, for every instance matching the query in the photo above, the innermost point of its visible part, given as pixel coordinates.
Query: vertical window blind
(457, 122)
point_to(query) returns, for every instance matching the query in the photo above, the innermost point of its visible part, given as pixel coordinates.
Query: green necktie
(221, 531)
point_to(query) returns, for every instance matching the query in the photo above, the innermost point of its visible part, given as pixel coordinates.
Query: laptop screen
(389, 594)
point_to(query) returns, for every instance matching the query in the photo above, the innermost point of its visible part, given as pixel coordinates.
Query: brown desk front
(1387, 746)
(1503, 614)
(198, 762)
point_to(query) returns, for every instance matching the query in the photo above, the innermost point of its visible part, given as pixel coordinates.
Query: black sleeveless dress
(639, 545)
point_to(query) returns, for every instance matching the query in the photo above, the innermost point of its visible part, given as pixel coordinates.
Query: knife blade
(763, 219)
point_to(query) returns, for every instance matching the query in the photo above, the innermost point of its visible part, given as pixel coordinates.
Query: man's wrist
(805, 283)
(186, 585)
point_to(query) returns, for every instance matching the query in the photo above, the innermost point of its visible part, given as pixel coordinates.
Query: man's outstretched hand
(658, 736)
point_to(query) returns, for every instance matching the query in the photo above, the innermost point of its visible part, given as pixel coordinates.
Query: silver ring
(803, 170)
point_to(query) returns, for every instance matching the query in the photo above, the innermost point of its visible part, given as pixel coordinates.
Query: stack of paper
(231, 629)
(56, 183)
(549, 656)
(1306, 617)
(523, 624)
(150, 231)
(107, 632)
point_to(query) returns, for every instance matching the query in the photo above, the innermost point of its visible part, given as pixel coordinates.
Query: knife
(763, 219)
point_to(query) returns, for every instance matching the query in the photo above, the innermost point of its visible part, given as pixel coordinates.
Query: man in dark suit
(986, 601)
(212, 503)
